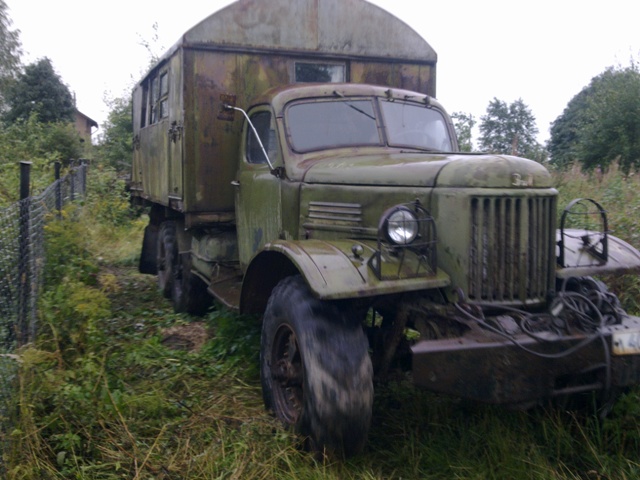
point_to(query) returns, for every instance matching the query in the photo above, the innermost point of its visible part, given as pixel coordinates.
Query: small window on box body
(164, 95)
(153, 114)
(143, 105)
(159, 98)
(320, 72)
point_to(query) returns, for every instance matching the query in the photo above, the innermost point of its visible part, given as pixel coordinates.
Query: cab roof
(280, 96)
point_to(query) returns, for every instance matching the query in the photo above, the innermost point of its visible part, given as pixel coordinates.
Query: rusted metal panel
(331, 27)
(417, 78)
(212, 148)
(622, 257)
(498, 371)
(175, 130)
(136, 165)
(211, 144)
(154, 168)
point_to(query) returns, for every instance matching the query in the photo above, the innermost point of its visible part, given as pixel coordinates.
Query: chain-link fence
(22, 262)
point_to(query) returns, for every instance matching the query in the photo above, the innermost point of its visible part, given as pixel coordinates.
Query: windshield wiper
(420, 149)
(338, 94)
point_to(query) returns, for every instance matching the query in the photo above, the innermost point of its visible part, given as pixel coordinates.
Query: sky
(543, 51)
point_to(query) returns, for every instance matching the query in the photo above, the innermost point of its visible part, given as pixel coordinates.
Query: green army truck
(297, 166)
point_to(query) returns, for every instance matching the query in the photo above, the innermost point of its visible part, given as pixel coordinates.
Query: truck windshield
(330, 124)
(411, 125)
(347, 122)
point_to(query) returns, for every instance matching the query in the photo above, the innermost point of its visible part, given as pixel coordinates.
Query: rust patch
(227, 114)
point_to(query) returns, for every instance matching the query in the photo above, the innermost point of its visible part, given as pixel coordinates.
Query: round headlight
(401, 226)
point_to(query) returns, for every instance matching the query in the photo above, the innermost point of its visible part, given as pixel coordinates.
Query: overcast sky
(542, 51)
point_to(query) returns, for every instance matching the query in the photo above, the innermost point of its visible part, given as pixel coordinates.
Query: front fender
(579, 260)
(333, 271)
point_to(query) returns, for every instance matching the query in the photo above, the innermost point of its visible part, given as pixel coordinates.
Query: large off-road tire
(189, 294)
(167, 257)
(315, 369)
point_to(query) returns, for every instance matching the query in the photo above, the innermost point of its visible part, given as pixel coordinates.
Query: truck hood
(429, 170)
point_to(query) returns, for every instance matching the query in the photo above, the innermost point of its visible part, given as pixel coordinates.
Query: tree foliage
(116, 145)
(601, 124)
(464, 123)
(510, 129)
(42, 144)
(10, 47)
(39, 90)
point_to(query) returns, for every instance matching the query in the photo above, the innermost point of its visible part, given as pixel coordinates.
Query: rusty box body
(185, 144)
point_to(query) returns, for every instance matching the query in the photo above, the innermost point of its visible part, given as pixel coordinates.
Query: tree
(464, 123)
(563, 142)
(39, 90)
(42, 144)
(116, 145)
(601, 124)
(10, 47)
(510, 129)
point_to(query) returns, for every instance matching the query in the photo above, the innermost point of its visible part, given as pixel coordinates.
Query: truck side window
(159, 101)
(143, 105)
(164, 95)
(262, 123)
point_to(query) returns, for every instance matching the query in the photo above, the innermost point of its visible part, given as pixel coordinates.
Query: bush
(39, 143)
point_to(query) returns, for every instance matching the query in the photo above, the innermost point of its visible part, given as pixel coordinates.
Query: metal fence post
(72, 190)
(83, 175)
(25, 254)
(57, 167)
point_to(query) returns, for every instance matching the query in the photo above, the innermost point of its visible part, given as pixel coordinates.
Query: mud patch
(189, 337)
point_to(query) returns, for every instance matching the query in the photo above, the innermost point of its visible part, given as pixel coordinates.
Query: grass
(109, 391)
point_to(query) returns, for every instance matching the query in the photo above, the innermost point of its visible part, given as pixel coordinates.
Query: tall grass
(112, 389)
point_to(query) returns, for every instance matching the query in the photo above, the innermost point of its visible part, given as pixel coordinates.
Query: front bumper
(522, 369)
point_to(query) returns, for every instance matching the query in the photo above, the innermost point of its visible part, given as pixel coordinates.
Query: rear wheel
(189, 294)
(315, 369)
(167, 256)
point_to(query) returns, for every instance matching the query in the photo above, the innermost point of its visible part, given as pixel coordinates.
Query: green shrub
(41, 144)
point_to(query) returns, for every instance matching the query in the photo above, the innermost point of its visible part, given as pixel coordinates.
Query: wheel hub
(288, 373)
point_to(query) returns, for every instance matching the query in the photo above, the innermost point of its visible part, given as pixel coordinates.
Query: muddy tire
(167, 257)
(315, 369)
(189, 292)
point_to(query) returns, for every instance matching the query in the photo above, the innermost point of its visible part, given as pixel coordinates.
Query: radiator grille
(511, 249)
(333, 213)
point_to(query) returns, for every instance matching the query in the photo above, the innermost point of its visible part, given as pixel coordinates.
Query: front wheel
(315, 369)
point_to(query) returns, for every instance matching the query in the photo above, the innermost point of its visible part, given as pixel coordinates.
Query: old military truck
(298, 167)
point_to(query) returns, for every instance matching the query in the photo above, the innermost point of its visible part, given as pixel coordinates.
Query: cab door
(258, 191)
